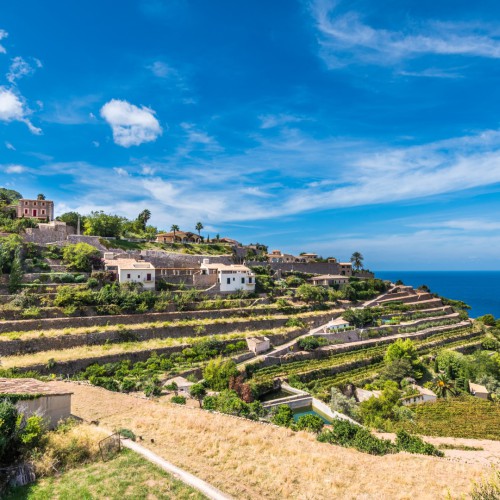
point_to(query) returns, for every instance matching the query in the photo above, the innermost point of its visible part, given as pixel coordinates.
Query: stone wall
(166, 259)
(42, 236)
(303, 267)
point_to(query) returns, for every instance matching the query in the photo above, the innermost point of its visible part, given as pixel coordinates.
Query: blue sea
(479, 289)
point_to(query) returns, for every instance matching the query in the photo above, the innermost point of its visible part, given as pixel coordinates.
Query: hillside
(250, 460)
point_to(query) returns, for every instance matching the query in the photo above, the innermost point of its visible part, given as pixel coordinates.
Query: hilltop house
(345, 268)
(38, 398)
(337, 324)
(35, 209)
(178, 237)
(230, 278)
(330, 280)
(131, 271)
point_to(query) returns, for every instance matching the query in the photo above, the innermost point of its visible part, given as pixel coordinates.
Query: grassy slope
(250, 460)
(125, 476)
(465, 417)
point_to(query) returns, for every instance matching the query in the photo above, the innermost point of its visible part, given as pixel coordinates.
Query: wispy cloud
(275, 120)
(15, 169)
(345, 38)
(3, 34)
(13, 108)
(131, 125)
(9, 145)
(75, 110)
(19, 68)
(162, 69)
(464, 224)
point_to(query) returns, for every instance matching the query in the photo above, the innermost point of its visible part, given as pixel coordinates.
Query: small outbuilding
(34, 397)
(424, 395)
(330, 280)
(183, 384)
(364, 395)
(479, 391)
(258, 345)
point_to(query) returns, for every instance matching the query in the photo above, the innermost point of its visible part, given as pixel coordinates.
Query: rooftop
(330, 277)
(478, 388)
(28, 386)
(129, 264)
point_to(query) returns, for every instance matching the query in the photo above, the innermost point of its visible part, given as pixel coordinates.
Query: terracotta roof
(28, 386)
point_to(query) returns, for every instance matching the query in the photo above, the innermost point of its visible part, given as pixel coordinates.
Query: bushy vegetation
(228, 401)
(81, 257)
(345, 433)
(125, 376)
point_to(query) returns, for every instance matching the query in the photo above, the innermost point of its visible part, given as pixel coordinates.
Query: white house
(183, 384)
(424, 395)
(42, 399)
(258, 344)
(337, 324)
(132, 271)
(230, 278)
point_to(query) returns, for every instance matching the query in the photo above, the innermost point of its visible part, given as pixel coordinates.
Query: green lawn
(126, 476)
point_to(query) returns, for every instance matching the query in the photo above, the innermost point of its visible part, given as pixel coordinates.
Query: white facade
(424, 395)
(337, 324)
(132, 271)
(258, 345)
(230, 278)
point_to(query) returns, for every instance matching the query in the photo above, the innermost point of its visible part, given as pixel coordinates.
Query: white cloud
(162, 70)
(96, 144)
(3, 34)
(271, 121)
(130, 124)
(147, 170)
(8, 145)
(121, 171)
(15, 169)
(19, 68)
(13, 108)
(345, 38)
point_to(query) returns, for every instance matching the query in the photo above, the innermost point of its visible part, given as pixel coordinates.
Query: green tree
(218, 372)
(199, 227)
(16, 272)
(487, 319)
(342, 404)
(198, 391)
(357, 260)
(443, 386)
(174, 228)
(71, 219)
(143, 218)
(404, 349)
(310, 293)
(376, 411)
(81, 257)
(40, 196)
(100, 224)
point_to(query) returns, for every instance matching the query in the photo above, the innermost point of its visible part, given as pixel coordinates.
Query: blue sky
(324, 125)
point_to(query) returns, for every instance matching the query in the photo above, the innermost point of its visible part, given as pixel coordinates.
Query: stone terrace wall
(47, 235)
(167, 259)
(303, 267)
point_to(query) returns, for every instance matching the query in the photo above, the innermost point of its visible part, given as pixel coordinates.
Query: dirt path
(247, 459)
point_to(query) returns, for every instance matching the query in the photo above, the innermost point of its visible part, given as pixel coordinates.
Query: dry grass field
(250, 460)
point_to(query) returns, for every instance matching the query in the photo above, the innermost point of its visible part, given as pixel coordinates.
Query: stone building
(42, 210)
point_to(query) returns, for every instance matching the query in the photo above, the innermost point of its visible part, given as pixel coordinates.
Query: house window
(128, 276)
(228, 281)
(43, 212)
(249, 280)
(138, 276)
(148, 277)
(34, 213)
(25, 202)
(243, 280)
(234, 279)
(26, 211)
(43, 204)
(34, 203)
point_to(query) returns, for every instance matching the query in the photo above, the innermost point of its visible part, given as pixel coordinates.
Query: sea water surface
(479, 289)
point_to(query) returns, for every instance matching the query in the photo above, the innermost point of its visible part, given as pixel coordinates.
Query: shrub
(414, 444)
(180, 400)
(81, 256)
(297, 322)
(218, 372)
(80, 278)
(311, 343)
(31, 313)
(283, 416)
(126, 433)
(311, 423)
(349, 435)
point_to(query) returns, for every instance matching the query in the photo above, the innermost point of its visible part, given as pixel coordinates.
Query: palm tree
(443, 386)
(144, 216)
(41, 196)
(174, 229)
(357, 260)
(199, 227)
